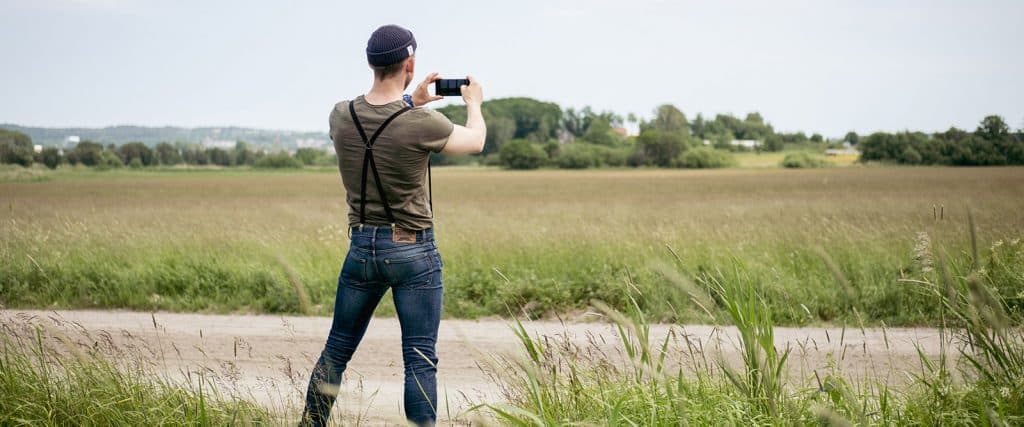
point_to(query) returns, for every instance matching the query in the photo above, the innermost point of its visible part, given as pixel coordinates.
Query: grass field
(540, 243)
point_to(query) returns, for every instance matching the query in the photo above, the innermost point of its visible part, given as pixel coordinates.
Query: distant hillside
(210, 136)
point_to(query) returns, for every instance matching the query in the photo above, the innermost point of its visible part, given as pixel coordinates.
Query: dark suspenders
(369, 161)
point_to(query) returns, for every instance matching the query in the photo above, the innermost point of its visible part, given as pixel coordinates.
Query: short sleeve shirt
(401, 153)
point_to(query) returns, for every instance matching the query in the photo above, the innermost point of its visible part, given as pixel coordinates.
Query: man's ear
(410, 65)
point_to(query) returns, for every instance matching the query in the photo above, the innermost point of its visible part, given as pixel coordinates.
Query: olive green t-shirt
(401, 153)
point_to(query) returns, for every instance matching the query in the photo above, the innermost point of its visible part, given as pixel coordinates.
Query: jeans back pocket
(416, 269)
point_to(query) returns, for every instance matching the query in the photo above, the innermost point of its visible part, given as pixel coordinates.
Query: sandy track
(268, 358)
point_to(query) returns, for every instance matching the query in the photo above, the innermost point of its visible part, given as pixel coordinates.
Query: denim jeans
(413, 272)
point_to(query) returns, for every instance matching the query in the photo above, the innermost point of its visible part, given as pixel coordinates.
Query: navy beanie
(389, 44)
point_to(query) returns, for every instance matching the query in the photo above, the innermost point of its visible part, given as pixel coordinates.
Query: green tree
(731, 124)
(219, 156)
(87, 153)
(754, 127)
(661, 148)
(575, 123)
(51, 157)
(817, 138)
(699, 127)
(109, 160)
(722, 141)
(499, 130)
(136, 150)
(668, 119)
(773, 142)
(308, 156)
(527, 119)
(280, 160)
(167, 154)
(243, 155)
(522, 154)
(194, 155)
(851, 137)
(993, 128)
(600, 132)
(16, 148)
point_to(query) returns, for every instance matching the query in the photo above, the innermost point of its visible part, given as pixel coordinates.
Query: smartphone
(449, 87)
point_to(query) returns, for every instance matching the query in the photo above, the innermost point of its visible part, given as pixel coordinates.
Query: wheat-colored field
(542, 242)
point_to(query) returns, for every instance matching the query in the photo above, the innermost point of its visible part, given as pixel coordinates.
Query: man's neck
(386, 91)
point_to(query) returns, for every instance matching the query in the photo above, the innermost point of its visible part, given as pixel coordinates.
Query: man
(383, 145)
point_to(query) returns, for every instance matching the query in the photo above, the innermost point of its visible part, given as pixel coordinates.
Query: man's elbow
(481, 139)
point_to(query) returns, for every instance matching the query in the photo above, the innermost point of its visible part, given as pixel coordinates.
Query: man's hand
(420, 96)
(471, 137)
(472, 93)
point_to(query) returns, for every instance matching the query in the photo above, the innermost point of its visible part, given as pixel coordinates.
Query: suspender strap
(369, 161)
(430, 189)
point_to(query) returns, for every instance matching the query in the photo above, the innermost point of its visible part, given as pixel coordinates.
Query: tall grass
(557, 383)
(47, 378)
(221, 241)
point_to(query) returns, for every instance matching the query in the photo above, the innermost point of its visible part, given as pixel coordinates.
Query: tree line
(525, 133)
(16, 148)
(991, 144)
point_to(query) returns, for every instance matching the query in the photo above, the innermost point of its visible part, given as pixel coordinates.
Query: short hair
(385, 71)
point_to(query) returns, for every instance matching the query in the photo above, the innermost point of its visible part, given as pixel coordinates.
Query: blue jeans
(413, 272)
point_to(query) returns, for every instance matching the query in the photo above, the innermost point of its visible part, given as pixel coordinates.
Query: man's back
(401, 153)
(391, 166)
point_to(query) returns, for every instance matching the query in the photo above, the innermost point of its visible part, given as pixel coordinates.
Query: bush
(576, 156)
(802, 160)
(87, 153)
(278, 161)
(522, 154)
(309, 156)
(661, 148)
(329, 159)
(614, 157)
(706, 158)
(493, 159)
(109, 160)
(50, 157)
(585, 155)
(136, 150)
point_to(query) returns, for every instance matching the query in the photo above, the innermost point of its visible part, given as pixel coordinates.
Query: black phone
(449, 87)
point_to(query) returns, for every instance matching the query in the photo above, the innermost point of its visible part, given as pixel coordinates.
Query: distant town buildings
(847, 150)
(218, 143)
(749, 144)
(311, 143)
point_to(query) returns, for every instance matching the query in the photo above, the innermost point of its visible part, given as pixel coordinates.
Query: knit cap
(389, 44)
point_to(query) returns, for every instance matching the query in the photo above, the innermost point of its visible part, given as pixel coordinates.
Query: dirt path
(268, 358)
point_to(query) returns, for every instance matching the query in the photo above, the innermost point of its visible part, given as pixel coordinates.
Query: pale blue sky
(824, 66)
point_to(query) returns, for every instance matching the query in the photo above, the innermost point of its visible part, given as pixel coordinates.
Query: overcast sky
(824, 66)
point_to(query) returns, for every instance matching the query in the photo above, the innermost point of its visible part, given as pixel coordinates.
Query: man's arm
(469, 139)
